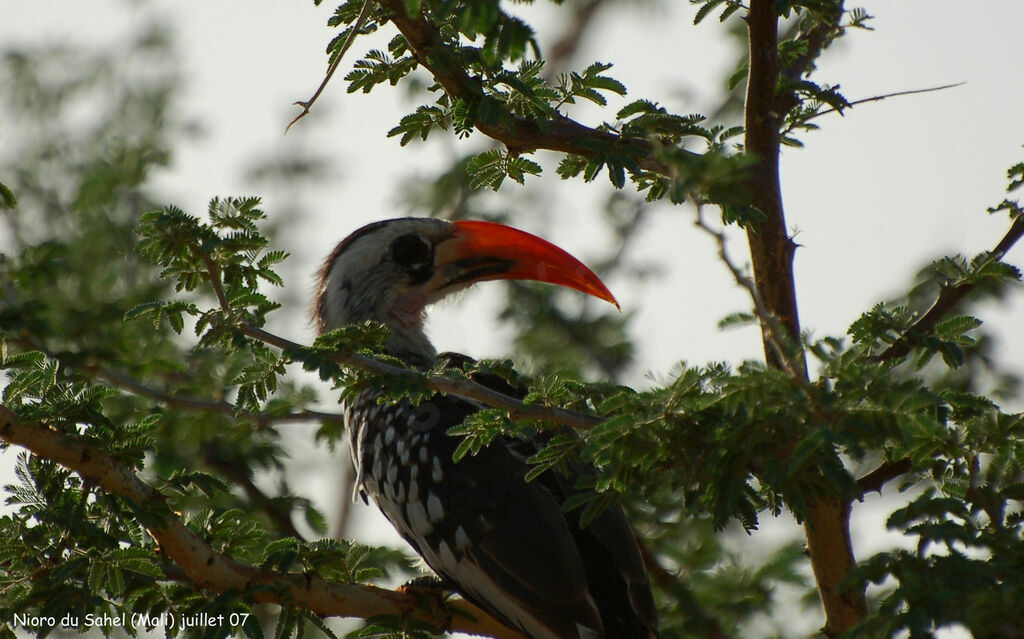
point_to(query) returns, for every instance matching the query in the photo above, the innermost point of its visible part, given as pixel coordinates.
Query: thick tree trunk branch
(827, 528)
(771, 249)
(211, 570)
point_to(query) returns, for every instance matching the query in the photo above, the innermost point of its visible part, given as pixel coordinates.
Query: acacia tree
(136, 492)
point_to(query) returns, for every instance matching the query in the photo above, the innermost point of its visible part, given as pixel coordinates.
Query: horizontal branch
(131, 385)
(465, 388)
(211, 570)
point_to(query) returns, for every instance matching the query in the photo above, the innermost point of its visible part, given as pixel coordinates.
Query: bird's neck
(409, 343)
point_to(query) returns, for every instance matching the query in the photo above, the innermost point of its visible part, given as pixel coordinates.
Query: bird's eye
(411, 251)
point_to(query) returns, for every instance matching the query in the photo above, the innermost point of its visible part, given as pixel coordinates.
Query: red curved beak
(479, 251)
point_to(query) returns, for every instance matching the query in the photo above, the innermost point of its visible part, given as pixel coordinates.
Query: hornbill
(502, 542)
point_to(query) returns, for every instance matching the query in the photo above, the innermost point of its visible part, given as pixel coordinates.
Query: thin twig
(815, 41)
(241, 475)
(878, 98)
(949, 297)
(131, 385)
(127, 383)
(776, 332)
(308, 104)
(214, 277)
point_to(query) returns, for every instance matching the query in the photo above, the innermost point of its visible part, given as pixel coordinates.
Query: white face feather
(361, 280)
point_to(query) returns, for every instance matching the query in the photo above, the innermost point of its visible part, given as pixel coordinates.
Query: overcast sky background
(873, 196)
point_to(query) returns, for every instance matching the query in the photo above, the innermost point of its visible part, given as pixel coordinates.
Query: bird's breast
(403, 461)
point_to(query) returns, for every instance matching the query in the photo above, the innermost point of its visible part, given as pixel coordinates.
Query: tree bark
(827, 528)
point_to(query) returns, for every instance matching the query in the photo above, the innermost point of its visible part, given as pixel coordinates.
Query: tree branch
(462, 387)
(131, 385)
(876, 479)
(185, 402)
(948, 298)
(515, 132)
(827, 527)
(775, 333)
(211, 570)
(816, 39)
(885, 96)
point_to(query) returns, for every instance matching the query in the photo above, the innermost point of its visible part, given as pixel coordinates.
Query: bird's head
(390, 271)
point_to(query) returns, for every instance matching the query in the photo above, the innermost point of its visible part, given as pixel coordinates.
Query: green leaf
(420, 123)
(954, 327)
(7, 198)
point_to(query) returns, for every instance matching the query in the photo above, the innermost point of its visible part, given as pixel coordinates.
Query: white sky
(874, 195)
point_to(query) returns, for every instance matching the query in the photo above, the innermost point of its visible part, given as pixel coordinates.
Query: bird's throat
(408, 340)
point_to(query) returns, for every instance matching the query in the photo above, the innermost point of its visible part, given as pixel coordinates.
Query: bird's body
(504, 543)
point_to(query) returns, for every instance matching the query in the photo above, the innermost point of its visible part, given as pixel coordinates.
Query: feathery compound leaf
(1016, 176)
(420, 123)
(953, 328)
(706, 8)
(486, 170)
(518, 167)
(637, 107)
(490, 168)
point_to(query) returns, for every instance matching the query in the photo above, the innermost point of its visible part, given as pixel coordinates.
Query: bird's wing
(617, 574)
(614, 578)
(506, 543)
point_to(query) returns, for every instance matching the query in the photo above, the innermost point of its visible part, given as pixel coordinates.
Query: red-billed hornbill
(503, 542)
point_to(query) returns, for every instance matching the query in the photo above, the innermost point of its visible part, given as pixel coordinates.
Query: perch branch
(211, 570)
